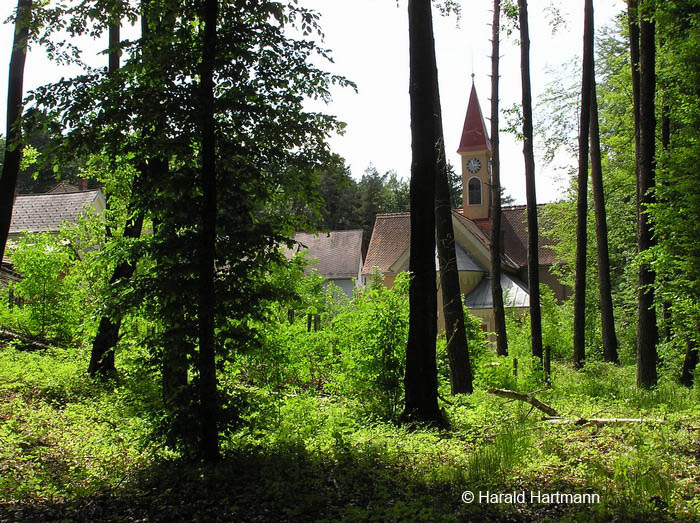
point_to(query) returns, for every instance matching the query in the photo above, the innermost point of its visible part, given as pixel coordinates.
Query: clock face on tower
(474, 165)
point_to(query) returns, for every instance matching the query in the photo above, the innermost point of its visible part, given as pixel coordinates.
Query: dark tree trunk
(607, 317)
(114, 40)
(207, 248)
(496, 247)
(13, 135)
(420, 381)
(533, 259)
(582, 202)
(689, 363)
(457, 345)
(646, 314)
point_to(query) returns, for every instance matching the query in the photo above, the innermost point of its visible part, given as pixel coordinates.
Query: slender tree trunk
(646, 314)
(582, 203)
(13, 141)
(420, 381)
(207, 249)
(102, 355)
(533, 259)
(607, 317)
(689, 363)
(453, 310)
(499, 315)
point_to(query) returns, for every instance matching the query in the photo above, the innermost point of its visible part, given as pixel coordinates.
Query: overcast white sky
(369, 41)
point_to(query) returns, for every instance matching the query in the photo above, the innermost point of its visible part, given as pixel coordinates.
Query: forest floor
(72, 449)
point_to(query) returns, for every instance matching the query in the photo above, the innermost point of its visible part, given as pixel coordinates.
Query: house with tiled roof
(389, 246)
(47, 212)
(336, 255)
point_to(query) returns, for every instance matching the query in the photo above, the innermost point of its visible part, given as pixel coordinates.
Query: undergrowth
(67, 441)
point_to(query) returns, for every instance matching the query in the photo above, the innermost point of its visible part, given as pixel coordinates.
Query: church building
(389, 247)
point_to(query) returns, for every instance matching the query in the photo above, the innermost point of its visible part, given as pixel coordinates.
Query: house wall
(347, 284)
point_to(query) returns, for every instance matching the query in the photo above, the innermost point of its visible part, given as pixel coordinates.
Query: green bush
(49, 289)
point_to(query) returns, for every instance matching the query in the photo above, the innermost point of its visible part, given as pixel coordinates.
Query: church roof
(392, 233)
(514, 230)
(337, 254)
(474, 134)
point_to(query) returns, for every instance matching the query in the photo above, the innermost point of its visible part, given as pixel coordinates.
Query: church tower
(475, 152)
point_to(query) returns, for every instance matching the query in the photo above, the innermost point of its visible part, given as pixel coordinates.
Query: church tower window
(474, 191)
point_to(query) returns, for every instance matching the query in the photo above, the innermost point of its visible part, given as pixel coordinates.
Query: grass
(75, 449)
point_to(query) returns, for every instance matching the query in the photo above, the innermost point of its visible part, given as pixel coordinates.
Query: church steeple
(475, 150)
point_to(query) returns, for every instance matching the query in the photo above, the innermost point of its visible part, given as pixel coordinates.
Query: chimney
(82, 184)
(15, 196)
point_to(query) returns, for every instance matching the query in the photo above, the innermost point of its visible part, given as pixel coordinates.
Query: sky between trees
(369, 40)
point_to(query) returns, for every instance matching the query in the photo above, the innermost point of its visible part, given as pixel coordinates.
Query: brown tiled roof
(46, 212)
(391, 237)
(339, 253)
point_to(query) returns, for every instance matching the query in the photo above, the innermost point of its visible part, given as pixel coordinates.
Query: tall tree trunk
(533, 259)
(607, 317)
(646, 314)
(582, 203)
(499, 315)
(207, 249)
(420, 381)
(102, 355)
(453, 310)
(13, 141)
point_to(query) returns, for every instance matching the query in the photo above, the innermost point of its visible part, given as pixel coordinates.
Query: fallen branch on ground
(601, 421)
(25, 343)
(528, 398)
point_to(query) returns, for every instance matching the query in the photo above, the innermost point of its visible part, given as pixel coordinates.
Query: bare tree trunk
(496, 289)
(607, 317)
(533, 261)
(13, 141)
(209, 443)
(582, 203)
(646, 314)
(420, 381)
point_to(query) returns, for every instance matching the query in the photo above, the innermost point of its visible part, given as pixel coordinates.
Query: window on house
(474, 191)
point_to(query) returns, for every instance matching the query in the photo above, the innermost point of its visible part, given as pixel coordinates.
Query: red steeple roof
(474, 135)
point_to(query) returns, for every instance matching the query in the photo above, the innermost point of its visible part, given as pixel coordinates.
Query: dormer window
(474, 188)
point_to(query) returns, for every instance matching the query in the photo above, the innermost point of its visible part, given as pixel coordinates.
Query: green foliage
(372, 341)
(49, 288)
